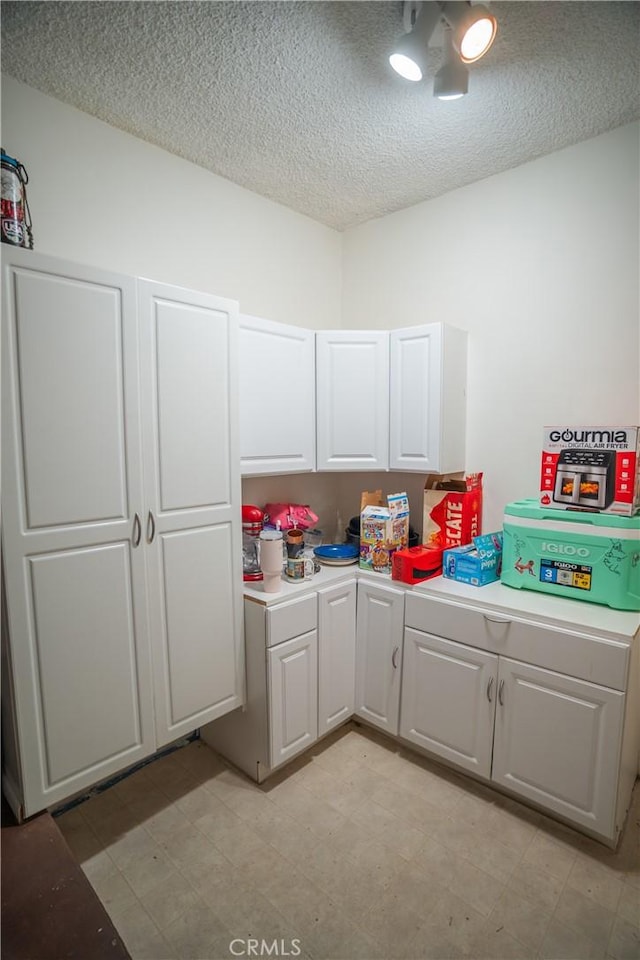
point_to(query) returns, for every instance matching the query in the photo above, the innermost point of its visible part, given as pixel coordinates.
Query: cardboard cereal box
(384, 528)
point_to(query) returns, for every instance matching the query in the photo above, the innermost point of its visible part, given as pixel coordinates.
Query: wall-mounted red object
(413, 564)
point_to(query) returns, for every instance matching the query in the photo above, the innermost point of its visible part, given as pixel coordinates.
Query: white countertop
(325, 577)
(565, 613)
(532, 604)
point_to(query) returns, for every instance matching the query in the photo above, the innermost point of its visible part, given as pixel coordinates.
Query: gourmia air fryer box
(591, 468)
(584, 556)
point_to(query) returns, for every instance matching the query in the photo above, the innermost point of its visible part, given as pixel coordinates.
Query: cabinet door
(557, 742)
(72, 489)
(379, 654)
(293, 696)
(336, 655)
(352, 369)
(192, 524)
(448, 700)
(277, 397)
(427, 398)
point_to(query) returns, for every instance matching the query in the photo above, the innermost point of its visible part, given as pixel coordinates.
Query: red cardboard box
(594, 469)
(452, 514)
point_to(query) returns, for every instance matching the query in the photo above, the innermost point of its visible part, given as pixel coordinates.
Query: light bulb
(477, 39)
(405, 66)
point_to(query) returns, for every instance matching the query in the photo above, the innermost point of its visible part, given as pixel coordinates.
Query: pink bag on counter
(286, 516)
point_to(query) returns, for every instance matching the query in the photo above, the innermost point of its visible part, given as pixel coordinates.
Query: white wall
(541, 265)
(102, 197)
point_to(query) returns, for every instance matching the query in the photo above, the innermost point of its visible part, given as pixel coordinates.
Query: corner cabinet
(121, 521)
(352, 384)
(427, 398)
(336, 654)
(277, 398)
(392, 400)
(379, 654)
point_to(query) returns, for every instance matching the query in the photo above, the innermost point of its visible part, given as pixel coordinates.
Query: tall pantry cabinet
(120, 513)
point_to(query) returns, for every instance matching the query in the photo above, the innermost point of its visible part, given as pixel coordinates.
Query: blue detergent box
(576, 554)
(476, 563)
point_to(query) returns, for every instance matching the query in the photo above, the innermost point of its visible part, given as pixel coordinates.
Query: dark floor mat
(50, 911)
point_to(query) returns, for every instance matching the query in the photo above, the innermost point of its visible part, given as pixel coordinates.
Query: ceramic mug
(295, 543)
(300, 568)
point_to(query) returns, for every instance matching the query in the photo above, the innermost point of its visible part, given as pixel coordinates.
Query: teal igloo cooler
(584, 556)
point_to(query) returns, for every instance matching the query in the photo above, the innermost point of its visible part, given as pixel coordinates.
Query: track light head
(452, 79)
(474, 28)
(410, 55)
(409, 58)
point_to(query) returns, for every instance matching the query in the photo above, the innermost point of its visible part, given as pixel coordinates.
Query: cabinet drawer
(288, 620)
(587, 657)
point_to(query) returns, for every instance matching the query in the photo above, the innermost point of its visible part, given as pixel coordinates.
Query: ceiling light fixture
(469, 31)
(474, 28)
(452, 79)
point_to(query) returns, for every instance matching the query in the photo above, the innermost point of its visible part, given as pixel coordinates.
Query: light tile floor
(360, 849)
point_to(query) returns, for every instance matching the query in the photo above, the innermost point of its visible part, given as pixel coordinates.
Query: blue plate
(336, 551)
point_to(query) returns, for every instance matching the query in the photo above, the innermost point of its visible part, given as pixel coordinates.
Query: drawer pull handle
(137, 530)
(501, 693)
(394, 657)
(490, 690)
(495, 619)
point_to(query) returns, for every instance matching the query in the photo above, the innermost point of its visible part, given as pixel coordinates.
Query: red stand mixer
(252, 524)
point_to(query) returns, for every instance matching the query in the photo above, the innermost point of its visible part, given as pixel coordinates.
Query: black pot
(351, 537)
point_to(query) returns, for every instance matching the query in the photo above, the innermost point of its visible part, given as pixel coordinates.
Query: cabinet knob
(501, 693)
(137, 531)
(495, 619)
(490, 690)
(394, 657)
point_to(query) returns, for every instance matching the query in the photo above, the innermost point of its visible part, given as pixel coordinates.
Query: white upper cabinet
(427, 397)
(352, 371)
(277, 397)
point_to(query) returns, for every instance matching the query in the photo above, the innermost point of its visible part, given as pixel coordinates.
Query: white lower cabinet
(300, 658)
(449, 700)
(292, 672)
(566, 744)
(557, 742)
(546, 710)
(379, 654)
(336, 655)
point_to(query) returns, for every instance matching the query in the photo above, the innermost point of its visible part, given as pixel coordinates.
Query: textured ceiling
(297, 102)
